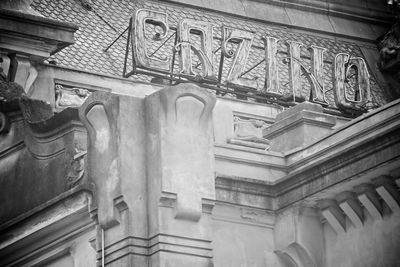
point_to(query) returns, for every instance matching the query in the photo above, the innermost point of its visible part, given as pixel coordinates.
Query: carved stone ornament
(249, 133)
(76, 169)
(70, 97)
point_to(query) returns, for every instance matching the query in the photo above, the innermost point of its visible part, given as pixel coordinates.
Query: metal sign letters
(195, 38)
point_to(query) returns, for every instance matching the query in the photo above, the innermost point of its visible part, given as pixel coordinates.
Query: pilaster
(181, 181)
(116, 168)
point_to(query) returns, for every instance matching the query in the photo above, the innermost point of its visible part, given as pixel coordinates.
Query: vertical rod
(173, 56)
(127, 48)
(102, 247)
(221, 65)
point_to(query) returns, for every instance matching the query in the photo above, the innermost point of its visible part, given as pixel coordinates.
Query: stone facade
(99, 170)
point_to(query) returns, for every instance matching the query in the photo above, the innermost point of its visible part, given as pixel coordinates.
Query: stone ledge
(36, 36)
(48, 225)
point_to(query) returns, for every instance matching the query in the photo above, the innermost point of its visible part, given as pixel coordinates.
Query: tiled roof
(99, 26)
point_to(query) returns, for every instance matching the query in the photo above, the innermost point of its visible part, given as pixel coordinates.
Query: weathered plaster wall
(376, 244)
(242, 236)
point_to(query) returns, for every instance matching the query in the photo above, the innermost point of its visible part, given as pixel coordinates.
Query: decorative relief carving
(248, 132)
(76, 169)
(70, 97)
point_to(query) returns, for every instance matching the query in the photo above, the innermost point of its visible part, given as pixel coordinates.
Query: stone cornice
(48, 224)
(40, 21)
(361, 129)
(32, 35)
(355, 153)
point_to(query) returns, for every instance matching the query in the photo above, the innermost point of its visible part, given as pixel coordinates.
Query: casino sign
(344, 66)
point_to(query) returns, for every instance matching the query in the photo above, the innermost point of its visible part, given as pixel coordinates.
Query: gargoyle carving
(10, 91)
(389, 58)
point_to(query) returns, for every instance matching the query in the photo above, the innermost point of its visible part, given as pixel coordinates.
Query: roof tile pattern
(102, 24)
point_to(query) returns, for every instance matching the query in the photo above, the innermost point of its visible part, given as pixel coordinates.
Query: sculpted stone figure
(389, 58)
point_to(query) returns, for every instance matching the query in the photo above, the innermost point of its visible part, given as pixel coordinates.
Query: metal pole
(102, 247)
(119, 36)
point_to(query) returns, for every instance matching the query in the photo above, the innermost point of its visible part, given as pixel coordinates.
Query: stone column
(180, 176)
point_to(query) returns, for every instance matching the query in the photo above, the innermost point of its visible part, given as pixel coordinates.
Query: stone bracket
(349, 203)
(369, 199)
(181, 148)
(389, 192)
(333, 214)
(99, 114)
